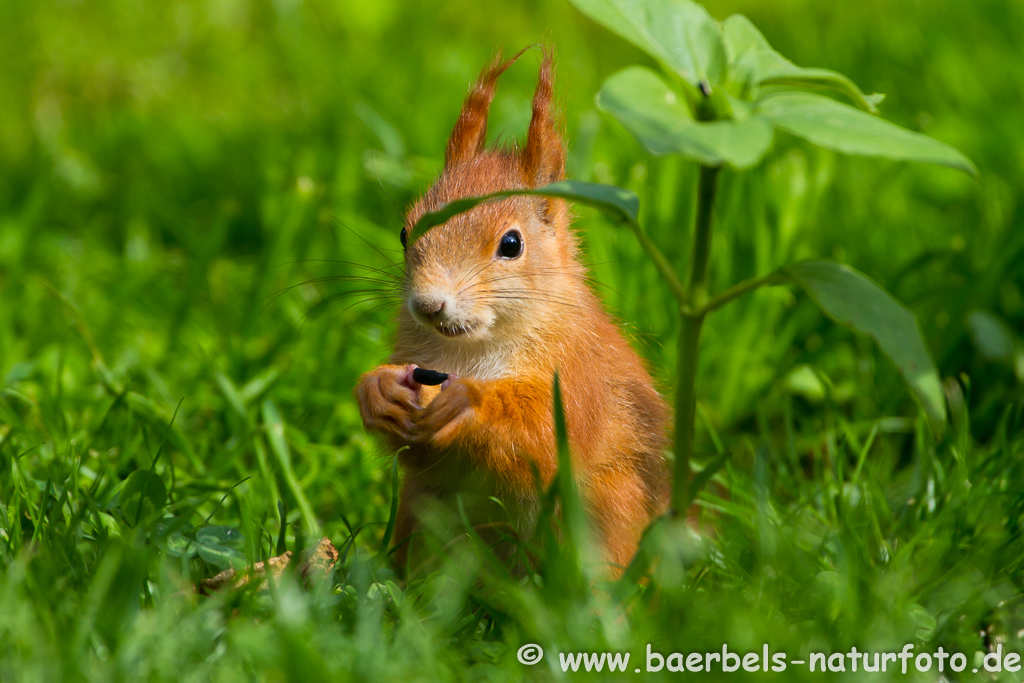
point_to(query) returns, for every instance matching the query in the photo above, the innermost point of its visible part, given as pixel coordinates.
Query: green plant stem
(740, 289)
(660, 262)
(692, 313)
(686, 403)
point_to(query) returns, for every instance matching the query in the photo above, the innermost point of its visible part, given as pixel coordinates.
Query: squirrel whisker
(533, 297)
(387, 288)
(323, 304)
(323, 263)
(471, 276)
(529, 273)
(585, 277)
(368, 243)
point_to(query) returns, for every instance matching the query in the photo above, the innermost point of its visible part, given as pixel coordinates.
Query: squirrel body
(497, 298)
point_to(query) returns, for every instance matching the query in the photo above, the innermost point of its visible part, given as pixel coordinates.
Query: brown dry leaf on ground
(314, 563)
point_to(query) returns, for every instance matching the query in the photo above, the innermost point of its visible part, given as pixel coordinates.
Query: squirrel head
(506, 268)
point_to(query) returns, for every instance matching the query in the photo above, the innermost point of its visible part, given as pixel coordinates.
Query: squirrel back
(498, 298)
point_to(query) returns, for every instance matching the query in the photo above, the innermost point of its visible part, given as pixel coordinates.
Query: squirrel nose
(428, 307)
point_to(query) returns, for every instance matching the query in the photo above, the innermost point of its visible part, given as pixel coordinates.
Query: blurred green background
(181, 184)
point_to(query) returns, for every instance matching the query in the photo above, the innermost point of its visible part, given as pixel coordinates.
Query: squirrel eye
(511, 244)
(403, 236)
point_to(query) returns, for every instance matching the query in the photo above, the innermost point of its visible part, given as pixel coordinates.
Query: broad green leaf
(678, 33)
(220, 535)
(221, 556)
(144, 493)
(617, 202)
(178, 545)
(753, 62)
(850, 297)
(644, 104)
(219, 546)
(842, 128)
(167, 527)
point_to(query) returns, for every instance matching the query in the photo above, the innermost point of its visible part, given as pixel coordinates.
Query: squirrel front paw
(449, 413)
(388, 396)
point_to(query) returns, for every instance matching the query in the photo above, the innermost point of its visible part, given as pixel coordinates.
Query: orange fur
(521, 319)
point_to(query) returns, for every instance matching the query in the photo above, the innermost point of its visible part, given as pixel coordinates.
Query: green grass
(173, 173)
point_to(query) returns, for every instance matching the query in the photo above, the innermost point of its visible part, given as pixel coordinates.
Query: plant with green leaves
(722, 95)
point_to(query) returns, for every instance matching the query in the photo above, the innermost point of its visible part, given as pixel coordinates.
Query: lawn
(184, 189)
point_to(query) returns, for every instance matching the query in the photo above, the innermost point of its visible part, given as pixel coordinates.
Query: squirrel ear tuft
(470, 130)
(543, 159)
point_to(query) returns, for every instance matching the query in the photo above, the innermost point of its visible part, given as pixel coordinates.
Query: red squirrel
(498, 298)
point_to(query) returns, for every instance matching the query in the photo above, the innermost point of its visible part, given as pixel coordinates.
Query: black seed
(428, 377)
